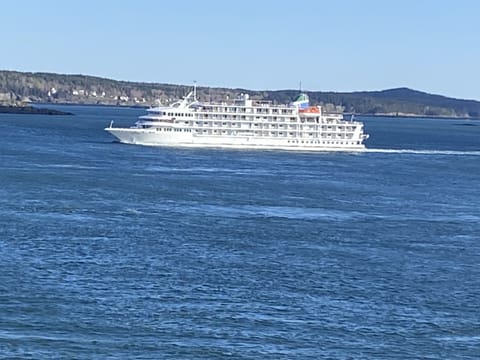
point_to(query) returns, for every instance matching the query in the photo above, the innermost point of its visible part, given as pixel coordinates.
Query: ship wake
(423, 152)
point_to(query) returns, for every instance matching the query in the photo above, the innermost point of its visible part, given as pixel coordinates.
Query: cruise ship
(244, 123)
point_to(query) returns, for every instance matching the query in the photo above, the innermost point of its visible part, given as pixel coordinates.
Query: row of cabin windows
(175, 130)
(274, 111)
(177, 114)
(242, 110)
(339, 128)
(223, 131)
(257, 125)
(280, 133)
(324, 142)
(243, 117)
(250, 118)
(256, 118)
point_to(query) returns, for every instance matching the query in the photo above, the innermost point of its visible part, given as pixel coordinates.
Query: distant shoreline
(346, 114)
(30, 88)
(91, 105)
(30, 110)
(412, 116)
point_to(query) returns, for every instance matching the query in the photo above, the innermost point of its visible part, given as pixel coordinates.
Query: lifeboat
(311, 109)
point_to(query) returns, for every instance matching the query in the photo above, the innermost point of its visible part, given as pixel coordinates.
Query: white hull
(188, 139)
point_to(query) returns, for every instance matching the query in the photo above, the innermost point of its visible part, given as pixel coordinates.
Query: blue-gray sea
(112, 251)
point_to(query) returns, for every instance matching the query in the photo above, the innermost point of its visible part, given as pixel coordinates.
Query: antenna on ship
(300, 86)
(195, 90)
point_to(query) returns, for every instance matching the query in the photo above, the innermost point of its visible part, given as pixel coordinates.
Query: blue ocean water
(111, 251)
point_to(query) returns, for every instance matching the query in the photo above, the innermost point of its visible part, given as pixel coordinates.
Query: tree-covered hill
(23, 87)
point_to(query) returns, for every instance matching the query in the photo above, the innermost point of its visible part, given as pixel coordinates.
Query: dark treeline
(23, 87)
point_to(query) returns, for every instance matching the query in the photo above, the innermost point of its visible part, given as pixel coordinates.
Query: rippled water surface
(119, 251)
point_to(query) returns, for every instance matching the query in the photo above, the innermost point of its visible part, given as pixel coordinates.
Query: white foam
(468, 339)
(423, 152)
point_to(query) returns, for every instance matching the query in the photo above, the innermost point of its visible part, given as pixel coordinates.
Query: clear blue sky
(342, 45)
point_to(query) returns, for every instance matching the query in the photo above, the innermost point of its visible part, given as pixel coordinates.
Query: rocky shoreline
(10, 109)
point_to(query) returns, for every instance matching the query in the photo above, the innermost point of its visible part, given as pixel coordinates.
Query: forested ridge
(19, 88)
